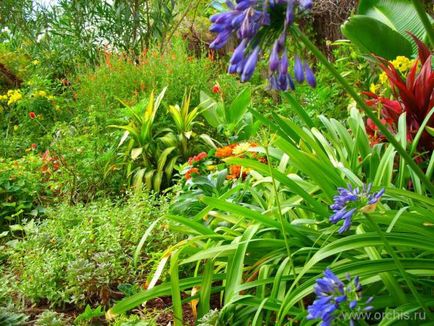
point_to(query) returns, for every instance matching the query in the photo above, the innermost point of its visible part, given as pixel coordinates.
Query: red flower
(197, 158)
(190, 172)
(32, 115)
(216, 88)
(34, 146)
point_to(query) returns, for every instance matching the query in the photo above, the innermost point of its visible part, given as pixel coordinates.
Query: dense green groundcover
(141, 184)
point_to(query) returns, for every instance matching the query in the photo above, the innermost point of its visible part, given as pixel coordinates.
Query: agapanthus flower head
(336, 299)
(351, 200)
(249, 21)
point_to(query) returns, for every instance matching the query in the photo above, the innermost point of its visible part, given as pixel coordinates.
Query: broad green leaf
(209, 110)
(239, 106)
(373, 36)
(399, 15)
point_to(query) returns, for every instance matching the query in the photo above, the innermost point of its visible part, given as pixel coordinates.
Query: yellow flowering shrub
(14, 96)
(401, 64)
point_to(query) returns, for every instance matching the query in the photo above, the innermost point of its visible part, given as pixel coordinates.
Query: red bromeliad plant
(413, 95)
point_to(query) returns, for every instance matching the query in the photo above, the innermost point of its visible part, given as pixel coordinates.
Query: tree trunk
(10, 78)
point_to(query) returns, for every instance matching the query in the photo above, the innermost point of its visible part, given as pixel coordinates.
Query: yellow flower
(241, 148)
(211, 167)
(3, 97)
(14, 96)
(374, 88)
(402, 64)
(383, 78)
(41, 93)
(35, 62)
(50, 97)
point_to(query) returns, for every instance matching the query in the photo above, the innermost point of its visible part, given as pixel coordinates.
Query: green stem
(368, 111)
(281, 220)
(398, 264)
(424, 18)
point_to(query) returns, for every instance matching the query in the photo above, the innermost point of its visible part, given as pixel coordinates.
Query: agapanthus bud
(283, 67)
(238, 53)
(291, 83)
(283, 81)
(217, 28)
(250, 66)
(281, 41)
(232, 69)
(298, 70)
(243, 5)
(220, 40)
(238, 20)
(305, 4)
(289, 17)
(230, 4)
(273, 83)
(310, 77)
(221, 18)
(274, 58)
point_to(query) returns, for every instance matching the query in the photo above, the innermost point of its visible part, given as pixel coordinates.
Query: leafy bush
(83, 253)
(232, 121)
(22, 184)
(151, 150)
(119, 78)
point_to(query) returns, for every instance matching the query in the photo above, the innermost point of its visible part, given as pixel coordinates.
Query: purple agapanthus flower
(351, 200)
(334, 299)
(245, 19)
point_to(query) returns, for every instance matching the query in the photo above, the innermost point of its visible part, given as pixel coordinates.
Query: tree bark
(10, 78)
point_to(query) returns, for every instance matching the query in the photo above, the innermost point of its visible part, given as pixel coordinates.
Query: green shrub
(83, 253)
(21, 186)
(120, 78)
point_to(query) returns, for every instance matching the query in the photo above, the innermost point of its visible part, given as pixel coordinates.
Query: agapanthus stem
(425, 21)
(281, 220)
(398, 263)
(368, 111)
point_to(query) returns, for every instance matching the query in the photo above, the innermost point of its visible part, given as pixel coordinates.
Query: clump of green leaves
(83, 253)
(21, 181)
(151, 149)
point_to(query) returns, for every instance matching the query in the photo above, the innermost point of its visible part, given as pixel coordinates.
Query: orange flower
(216, 88)
(235, 172)
(225, 151)
(190, 172)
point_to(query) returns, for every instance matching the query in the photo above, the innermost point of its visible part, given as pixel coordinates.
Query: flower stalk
(366, 109)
